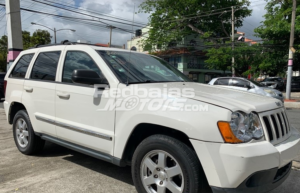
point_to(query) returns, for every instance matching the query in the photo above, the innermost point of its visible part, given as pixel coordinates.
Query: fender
(196, 125)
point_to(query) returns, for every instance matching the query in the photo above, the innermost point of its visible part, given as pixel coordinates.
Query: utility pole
(290, 63)
(14, 31)
(54, 31)
(111, 27)
(232, 39)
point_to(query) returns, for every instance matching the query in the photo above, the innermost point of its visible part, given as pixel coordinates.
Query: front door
(78, 118)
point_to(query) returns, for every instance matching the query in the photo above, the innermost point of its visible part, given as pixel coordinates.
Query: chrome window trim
(74, 128)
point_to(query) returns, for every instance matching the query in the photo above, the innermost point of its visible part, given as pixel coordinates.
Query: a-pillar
(14, 30)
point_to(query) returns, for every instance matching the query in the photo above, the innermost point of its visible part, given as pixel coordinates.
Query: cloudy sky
(107, 10)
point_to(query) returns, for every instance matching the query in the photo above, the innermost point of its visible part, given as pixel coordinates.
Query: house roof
(179, 51)
(250, 41)
(103, 45)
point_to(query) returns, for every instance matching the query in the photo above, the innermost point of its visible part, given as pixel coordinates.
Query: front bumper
(262, 181)
(229, 166)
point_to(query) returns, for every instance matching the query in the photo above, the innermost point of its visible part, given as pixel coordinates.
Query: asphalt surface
(58, 169)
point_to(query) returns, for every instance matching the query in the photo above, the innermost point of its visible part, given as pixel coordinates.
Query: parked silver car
(247, 85)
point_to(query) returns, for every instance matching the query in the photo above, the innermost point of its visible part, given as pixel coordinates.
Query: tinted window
(45, 66)
(2, 76)
(240, 83)
(296, 79)
(222, 81)
(21, 67)
(76, 60)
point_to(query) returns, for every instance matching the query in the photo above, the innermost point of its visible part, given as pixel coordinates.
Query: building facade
(187, 56)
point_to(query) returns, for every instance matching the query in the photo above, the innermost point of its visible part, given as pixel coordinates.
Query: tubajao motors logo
(151, 99)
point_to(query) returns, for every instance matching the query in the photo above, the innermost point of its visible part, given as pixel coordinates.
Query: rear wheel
(162, 164)
(25, 139)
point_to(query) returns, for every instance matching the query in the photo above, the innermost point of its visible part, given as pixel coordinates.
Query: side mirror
(89, 77)
(249, 86)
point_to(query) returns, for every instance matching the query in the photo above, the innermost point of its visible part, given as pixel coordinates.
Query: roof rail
(64, 42)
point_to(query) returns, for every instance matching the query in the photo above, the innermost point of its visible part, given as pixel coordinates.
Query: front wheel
(162, 164)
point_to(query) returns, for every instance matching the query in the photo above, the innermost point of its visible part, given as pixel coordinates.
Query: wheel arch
(144, 130)
(13, 109)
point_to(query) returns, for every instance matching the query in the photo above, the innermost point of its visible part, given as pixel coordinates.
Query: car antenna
(130, 43)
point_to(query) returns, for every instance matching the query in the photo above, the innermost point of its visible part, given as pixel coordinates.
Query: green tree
(275, 29)
(26, 40)
(245, 55)
(40, 37)
(3, 53)
(219, 58)
(171, 20)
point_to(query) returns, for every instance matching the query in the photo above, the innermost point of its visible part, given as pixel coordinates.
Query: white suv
(217, 139)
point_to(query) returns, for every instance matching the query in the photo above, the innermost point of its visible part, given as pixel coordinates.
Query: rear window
(2, 76)
(21, 67)
(45, 66)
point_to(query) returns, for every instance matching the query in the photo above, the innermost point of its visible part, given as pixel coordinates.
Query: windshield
(141, 68)
(255, 83)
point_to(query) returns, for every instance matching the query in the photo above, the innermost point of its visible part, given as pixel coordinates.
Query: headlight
(273, 86)
(271, 92)
(242, 128)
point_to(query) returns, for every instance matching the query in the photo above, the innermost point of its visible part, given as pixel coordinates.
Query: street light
(54, 30)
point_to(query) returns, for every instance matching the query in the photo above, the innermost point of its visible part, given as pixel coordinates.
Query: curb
(296, 165)
(293, 105)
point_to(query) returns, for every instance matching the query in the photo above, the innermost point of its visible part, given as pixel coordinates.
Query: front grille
(276, 125)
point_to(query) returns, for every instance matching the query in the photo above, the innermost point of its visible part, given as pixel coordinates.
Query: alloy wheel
(22, 133)
(161, 173)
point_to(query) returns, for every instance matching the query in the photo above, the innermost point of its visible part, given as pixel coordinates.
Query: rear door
(39, 90)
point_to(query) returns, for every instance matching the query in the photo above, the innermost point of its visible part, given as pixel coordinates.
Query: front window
(141, 68)
(240, 83)
(76, 60)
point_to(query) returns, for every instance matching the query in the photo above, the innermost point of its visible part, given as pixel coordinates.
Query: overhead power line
(72, 18)
(100, 18)
(94, 12)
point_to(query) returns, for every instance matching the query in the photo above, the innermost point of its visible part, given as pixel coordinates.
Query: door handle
(63, 95)
(28, 89)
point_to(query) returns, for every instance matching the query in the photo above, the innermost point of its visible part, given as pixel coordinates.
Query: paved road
(58, 169)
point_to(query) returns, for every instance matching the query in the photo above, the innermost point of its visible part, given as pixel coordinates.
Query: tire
(25, 139)
(191, 178)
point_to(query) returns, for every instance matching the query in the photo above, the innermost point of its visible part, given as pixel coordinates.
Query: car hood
(231, 99)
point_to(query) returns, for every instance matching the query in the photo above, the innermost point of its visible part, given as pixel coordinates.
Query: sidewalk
(294, 102)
